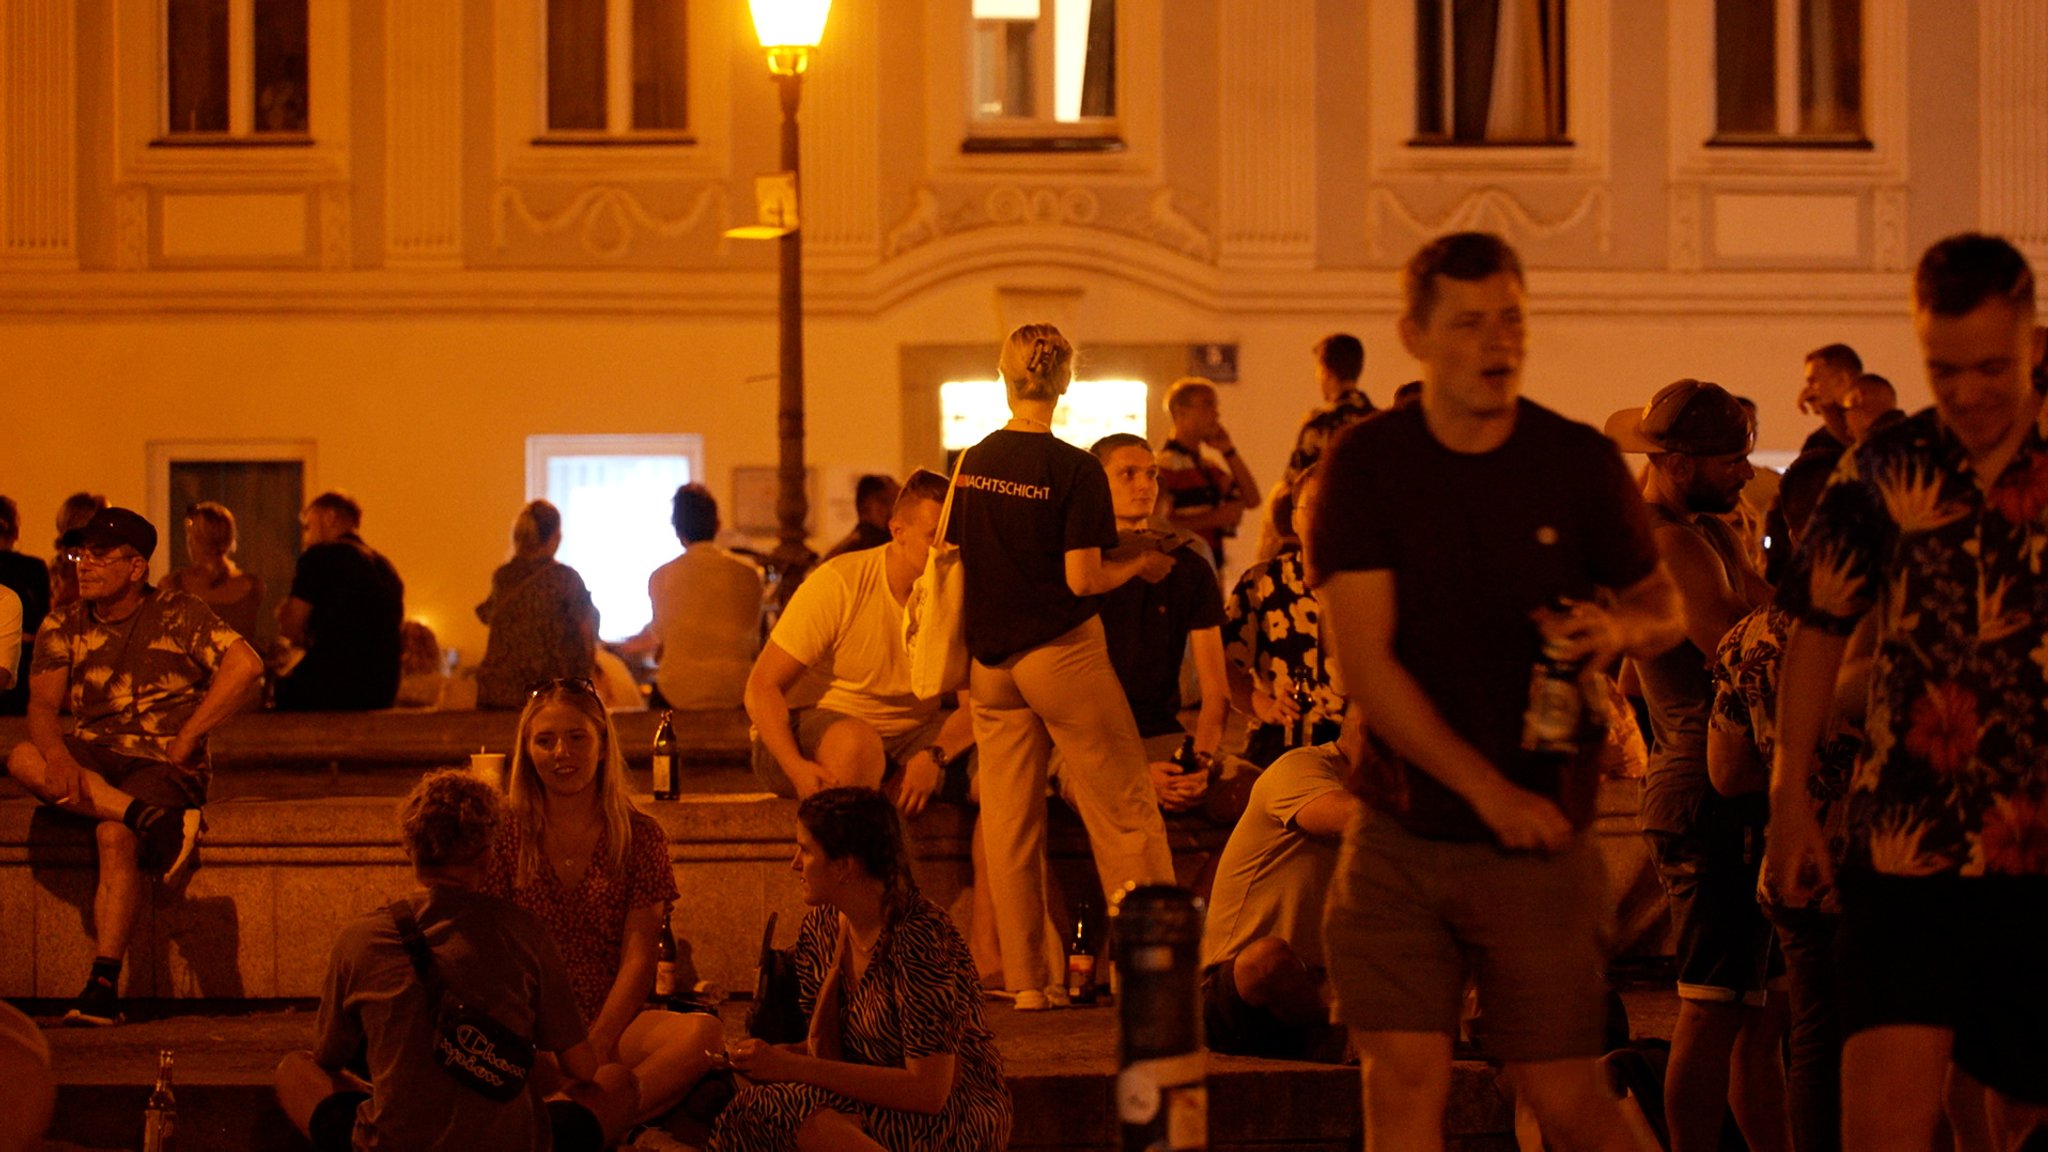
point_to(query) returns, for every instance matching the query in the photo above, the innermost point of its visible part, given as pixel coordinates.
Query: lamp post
(789, 32)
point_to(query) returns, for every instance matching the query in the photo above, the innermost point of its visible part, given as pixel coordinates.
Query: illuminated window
(235, 69)
(615, 493)
(1788, 70)
(615, 68)
(1043, 75)
(1091, 409)
(1490, 72)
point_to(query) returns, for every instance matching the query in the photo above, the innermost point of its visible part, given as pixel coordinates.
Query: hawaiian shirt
(135, 682)
(1953, 776)
(1321, 426)
(1272, 626)
(1746, 704)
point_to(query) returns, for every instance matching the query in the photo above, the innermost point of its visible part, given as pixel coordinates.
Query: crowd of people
(1839, 673)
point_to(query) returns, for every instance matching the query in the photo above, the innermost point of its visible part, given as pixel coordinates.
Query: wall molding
(609, 220)
(1488, 209)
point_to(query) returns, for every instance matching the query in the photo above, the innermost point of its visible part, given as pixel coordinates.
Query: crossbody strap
(416, 949)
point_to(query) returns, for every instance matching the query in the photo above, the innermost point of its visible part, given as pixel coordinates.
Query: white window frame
(951, 123)
(1393, 47)
(147, 153)
(527, 148)
(1693, 115)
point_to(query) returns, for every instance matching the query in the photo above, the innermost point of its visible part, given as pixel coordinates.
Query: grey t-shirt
(1272, 876)
(498, 959)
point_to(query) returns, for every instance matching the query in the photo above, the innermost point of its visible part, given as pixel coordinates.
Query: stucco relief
(1489, 209)
(1164, 217)
(1683, 218)
(608, 219)
(131, 228)
(1888, 229)
(336, 236)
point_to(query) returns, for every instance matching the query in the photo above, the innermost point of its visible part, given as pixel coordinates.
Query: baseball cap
(112, 527)
(1690, 417)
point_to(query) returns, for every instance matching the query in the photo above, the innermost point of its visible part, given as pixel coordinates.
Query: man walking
(1458, 543)
(146, 672)
(1944, 881)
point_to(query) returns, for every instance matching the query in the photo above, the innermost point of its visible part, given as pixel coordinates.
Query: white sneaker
(1033, 1000)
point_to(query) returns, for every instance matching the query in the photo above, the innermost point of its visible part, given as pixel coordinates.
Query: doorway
(265, 493)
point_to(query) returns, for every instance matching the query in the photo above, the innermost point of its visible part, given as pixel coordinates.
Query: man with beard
(1707, 847)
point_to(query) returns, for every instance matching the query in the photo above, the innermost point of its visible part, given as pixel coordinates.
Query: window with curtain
(1490, 72)
(235, 69)
(1788, 71)
(1042, 73)
(617, 68)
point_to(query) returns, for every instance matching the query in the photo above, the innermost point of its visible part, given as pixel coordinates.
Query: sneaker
(1033, 1000)
(170, 841)
(99, 1006)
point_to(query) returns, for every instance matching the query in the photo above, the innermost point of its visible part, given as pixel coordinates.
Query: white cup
(488, 767)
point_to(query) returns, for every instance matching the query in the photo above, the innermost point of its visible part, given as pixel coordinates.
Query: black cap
(112, 527)
(1689, 417)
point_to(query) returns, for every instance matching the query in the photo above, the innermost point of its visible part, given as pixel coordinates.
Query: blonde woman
(595, 870)
(1033, 519)
(210, 572)
(543, 623)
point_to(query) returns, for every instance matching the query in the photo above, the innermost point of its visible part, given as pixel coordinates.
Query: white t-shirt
(846, 628)
(707, 614)
(1272, 877)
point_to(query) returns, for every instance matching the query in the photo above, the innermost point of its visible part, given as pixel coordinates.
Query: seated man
(147, 672)
(874, 501)
(376, 1016)
(345, 610)
(1263, 980)
(707, 611)
(1150, 626)
(830, 694)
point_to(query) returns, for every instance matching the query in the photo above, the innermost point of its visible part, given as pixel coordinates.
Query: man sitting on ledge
(147, 672)
(830, 694)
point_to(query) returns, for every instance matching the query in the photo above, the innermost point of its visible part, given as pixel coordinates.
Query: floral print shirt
(1953, 776)
(1320, 427)
(1272, 628)
(1746, 703)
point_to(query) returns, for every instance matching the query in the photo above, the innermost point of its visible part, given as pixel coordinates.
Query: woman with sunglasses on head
(898, 1055)
(576, 853)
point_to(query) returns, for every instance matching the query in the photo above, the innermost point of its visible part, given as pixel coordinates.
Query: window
(1042, 75)
(615, 494)
(1091, 409)
(1788, 71)
(1490, 72)
(235, 70)
(616, 68)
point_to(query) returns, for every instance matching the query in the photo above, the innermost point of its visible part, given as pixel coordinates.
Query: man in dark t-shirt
(1459, 542)
(1150, 626)
(345, 609)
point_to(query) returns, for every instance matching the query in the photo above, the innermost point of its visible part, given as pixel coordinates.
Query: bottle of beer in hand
(1081, 959)
(664, 967)
(666, 786)
(160, 1115)
(1304, 703)
(1550, 726)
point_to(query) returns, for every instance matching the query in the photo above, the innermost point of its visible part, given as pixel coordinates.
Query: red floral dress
(588, 922)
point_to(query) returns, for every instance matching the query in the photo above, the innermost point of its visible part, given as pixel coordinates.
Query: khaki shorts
(1411, 920)
(808, 726)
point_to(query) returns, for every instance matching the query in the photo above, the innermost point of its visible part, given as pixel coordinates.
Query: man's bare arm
(1795, 857)
(236, 682)
(1712, 604)
(46, 692)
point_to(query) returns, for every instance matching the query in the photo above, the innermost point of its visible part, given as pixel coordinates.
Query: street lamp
(789, 32)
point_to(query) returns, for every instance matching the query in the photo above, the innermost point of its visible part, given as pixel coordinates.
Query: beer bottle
(664, 967)
(160, 1115)
(1304, 703)
(1550, 725)
(1081, 959)
(666, 786)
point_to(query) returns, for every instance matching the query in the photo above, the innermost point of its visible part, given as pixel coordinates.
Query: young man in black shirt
(1459, 542)
(346, 607)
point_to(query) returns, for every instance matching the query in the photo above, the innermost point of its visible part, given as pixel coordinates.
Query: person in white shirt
(707, 611)
(830, 693)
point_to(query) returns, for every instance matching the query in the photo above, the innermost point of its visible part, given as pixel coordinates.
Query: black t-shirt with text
(1476, 542)
(1023, 501)
(1147, 626)
(352, 634)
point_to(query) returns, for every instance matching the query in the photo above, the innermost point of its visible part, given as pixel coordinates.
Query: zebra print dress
(919, 996)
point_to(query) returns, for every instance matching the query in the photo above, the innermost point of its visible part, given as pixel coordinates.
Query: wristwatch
(938, 754)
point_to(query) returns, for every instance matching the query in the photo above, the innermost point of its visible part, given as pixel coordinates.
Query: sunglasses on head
(563, 684)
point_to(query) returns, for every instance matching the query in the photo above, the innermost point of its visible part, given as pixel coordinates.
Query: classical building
(448, 254)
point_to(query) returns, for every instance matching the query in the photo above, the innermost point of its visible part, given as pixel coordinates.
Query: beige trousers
(1062, 694)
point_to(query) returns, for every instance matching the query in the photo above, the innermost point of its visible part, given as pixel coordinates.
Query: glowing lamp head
(789, 30)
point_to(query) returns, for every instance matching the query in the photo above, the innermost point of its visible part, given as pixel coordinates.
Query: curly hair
(449, 819)
(862, 824)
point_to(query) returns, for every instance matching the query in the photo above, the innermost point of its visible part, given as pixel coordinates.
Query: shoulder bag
(482, 1054)
(935, 616)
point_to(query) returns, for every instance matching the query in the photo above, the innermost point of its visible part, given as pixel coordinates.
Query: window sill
(223, 140)
(618, 140)
(1040, 145)
(1791, 143)
(1444, 142)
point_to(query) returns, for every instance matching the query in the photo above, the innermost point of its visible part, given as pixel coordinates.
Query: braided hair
(862, 824)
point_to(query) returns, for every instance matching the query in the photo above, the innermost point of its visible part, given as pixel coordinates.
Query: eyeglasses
(564, 684)
(97, 558)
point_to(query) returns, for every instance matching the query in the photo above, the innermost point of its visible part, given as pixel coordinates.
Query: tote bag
(935, 616)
